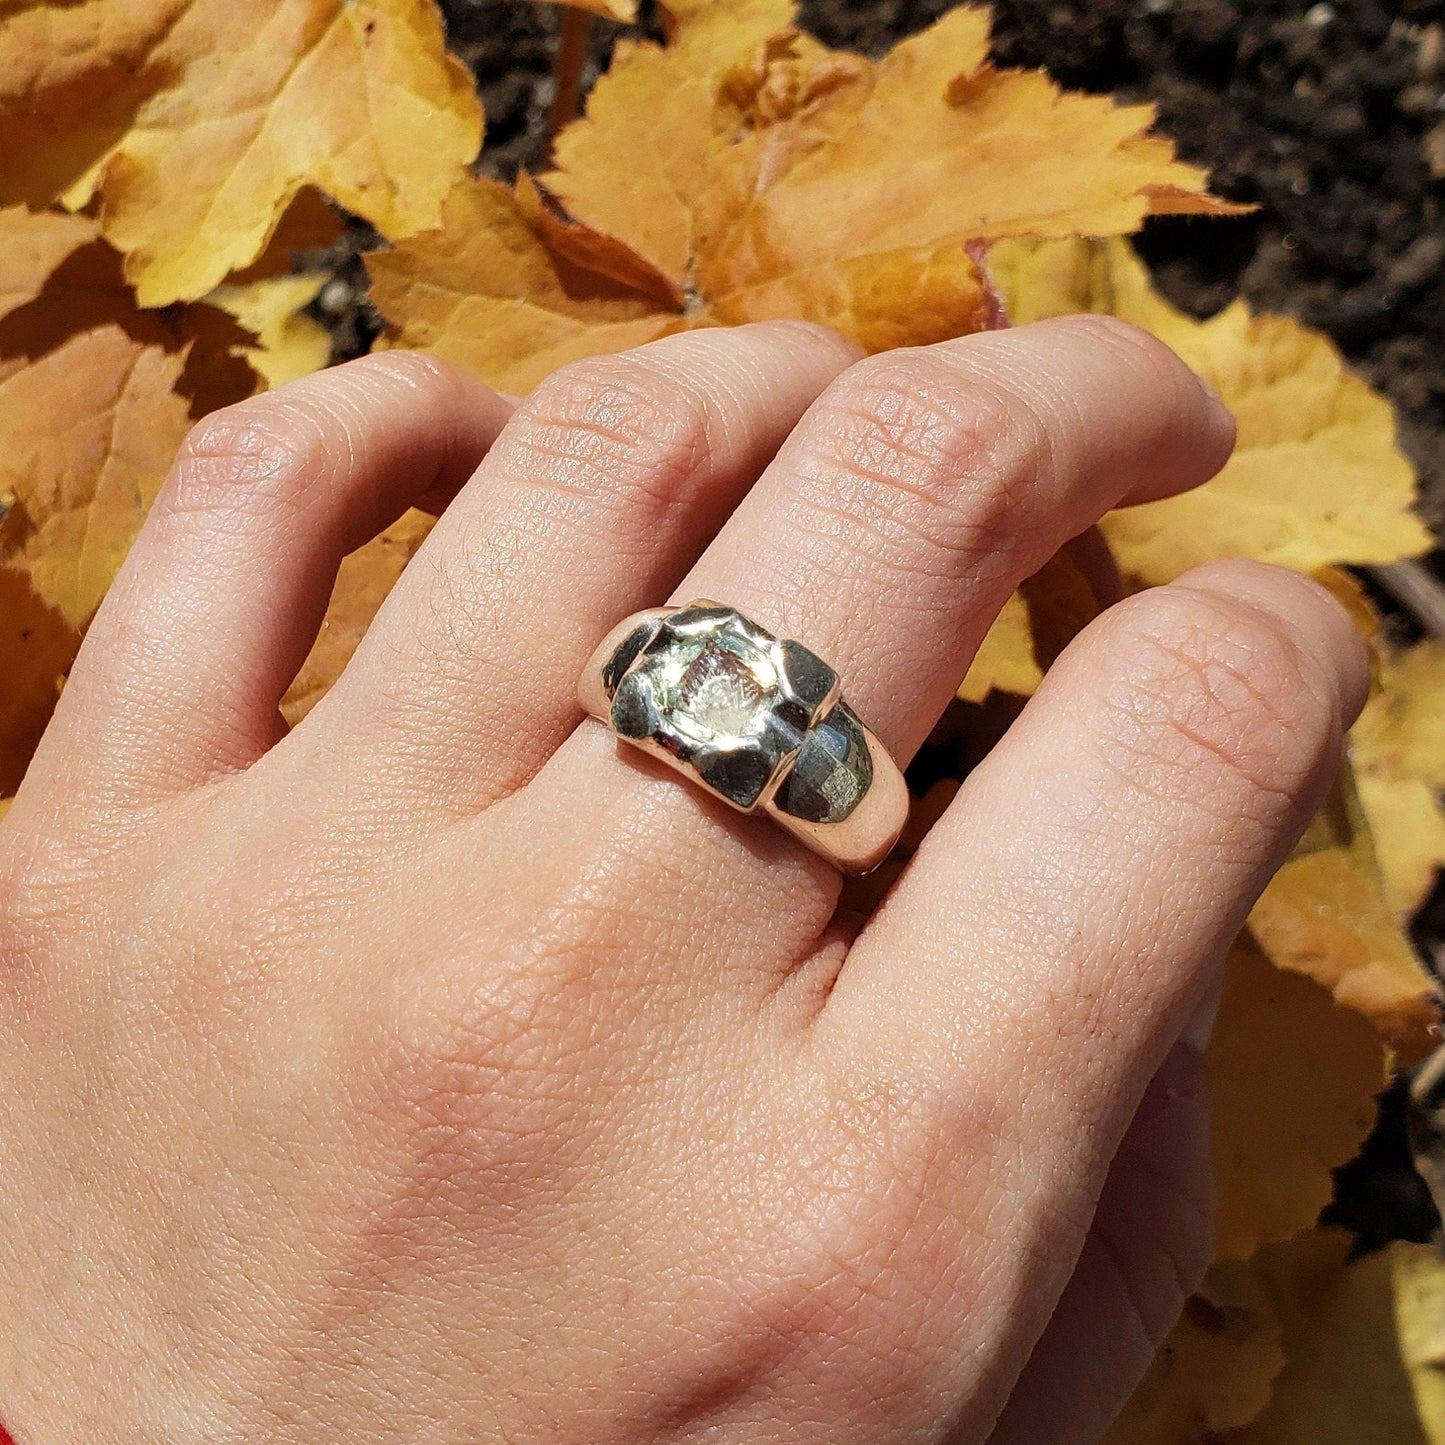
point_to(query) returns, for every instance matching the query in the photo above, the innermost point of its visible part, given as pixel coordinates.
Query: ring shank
(856, 842)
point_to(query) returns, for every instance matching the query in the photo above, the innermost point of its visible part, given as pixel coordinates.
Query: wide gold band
(756, 720)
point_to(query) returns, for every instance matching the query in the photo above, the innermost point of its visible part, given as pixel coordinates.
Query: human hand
(442, 1071)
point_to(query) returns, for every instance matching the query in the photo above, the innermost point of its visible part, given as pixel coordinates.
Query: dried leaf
(487, 292)
(1398, 752)
(366, 576)
(624, 11)
(95, 396)
(291, 343)
(198, 121)
(1293, 1080)
(1005, 659)
(37, 646)
(1345, 1380)
(1214, 1373)
(1316, 477)
(747, 172)
(1325, 914)
(90, 431)
(1418, 1274)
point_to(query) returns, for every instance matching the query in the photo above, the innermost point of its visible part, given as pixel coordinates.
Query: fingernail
(1223, 417)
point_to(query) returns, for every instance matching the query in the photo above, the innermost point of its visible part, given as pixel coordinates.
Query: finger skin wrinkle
(1227, 683)
(603, 443)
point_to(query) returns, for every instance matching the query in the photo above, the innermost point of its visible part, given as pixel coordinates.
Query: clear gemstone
(720, 694)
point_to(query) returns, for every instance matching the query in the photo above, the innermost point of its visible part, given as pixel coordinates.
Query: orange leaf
(489, 292)
(366, 576)
(90, 430)
(1216, 1370)
(95, 396)
(1346, 1380)
(37, 646)
(1293, 1079)
(1325, 914)
(198, 121)
(1316, 477)
(747, 172)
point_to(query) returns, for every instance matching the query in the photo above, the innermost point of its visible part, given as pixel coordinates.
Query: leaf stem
(567, 69)
(1416, 589)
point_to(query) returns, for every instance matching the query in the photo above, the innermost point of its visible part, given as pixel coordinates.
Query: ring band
(756, 720)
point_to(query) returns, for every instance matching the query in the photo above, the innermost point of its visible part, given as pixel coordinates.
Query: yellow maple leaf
(1005, 659)
(488, 292)
(366, 576)
(1345, 1379)
(1316, 477)
(1418, 1275)
(289, 343)
(1398, 752)
(90, 431)
(1215, 1371)
(197, 121)
(621, 10)
(95, 397)
(1325, 914)
(1293, 1079)
(746, 172)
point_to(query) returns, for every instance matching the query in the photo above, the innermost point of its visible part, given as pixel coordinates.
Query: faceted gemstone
(833, 771)
(720, 693)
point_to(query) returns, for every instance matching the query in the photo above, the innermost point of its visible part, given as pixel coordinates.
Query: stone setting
(743, 710)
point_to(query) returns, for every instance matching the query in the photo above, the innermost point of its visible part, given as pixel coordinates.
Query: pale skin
(442, 1071)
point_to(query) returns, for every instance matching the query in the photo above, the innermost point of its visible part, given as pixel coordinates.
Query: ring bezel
(745, 770)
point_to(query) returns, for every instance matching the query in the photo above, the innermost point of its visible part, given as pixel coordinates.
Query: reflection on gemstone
(719, 693)
(713, 688)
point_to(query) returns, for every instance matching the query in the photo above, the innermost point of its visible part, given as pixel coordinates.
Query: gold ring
(756, 720)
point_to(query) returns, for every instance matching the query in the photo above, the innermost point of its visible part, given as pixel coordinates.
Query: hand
(444, 1071)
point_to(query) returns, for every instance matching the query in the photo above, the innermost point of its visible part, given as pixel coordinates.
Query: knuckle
(247, 457)
(912, 437)
(612, 427)
(1137, 350)
(1211, 680)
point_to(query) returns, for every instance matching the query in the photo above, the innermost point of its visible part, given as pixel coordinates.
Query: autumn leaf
(1345, 1379)
(196, 122)
(1325, 914)
(1398, 751)
(1316, 477)
(488, 292)
(289, 343)
(1418, 1275)
(1214, 1373)
(624, 11)
(746, 172)
(1005, 659)
(37, 646)
(1293, 1079)
(366, 576)
(90, 430)
(95, 396)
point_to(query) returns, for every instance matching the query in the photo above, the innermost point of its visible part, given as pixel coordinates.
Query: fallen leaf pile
(165, 160)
